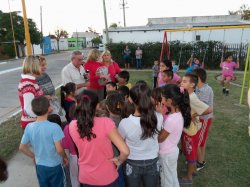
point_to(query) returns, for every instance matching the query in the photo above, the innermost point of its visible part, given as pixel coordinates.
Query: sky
(78, 15)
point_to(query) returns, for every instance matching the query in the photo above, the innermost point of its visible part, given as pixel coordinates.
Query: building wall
(63, 44)
(231, 36)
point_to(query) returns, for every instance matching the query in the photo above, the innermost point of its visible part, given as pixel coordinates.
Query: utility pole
(26, 29)
(41, 17)
(106, 22)
(13, 33)
(124, 15)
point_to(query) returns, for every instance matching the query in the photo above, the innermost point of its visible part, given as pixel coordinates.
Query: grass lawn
(228, 145)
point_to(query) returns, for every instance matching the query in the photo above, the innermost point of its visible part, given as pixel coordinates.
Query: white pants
(169, 169)
(74, 171)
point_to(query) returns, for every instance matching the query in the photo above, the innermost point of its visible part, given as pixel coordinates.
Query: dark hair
(169, 73)
(40, 105)
(140, 95)
(55, 118)
(193, 78)
(141, 82)
(123, 90)
(180, 100)
(85, 112)
(156, 94)
(201, 73)
(66, 90)
(101, 109)
(115, 103)
(124, 74)
(113, 84)
(168, 63)
(228, 55)
(3, 170)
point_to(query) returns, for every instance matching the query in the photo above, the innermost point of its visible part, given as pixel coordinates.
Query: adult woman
(140, 131)
(127, 57)
(46, 85)
(113, 67)
(98, 73)
(28, 88)
(93, 136)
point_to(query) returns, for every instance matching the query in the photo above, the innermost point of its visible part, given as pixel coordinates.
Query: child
(123, 78)
(228, 67)
(167, 76)
(111, 86)
(155, 69)
(101, 109)
(189, 136)
(175, 66)
(124, 91)
(177, 99)
(45, 138)
(205, 94)
(194, 63)
(68, 94)
(167, 65)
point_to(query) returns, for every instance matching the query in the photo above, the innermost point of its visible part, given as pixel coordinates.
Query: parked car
(101, 47)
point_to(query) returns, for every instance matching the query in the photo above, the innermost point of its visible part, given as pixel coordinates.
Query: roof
(84, 34)
(184, 22)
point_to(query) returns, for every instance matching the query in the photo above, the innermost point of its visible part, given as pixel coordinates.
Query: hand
(160, 108)
(116, 161)
(65, 161)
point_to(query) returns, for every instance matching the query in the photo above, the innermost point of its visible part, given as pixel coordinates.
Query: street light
(26, 29)
(13, 33)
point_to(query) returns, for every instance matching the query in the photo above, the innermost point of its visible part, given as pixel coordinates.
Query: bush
(181, 52)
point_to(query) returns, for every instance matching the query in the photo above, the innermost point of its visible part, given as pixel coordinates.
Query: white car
(101, 47)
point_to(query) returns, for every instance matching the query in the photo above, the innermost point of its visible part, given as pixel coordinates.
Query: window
(198, 37)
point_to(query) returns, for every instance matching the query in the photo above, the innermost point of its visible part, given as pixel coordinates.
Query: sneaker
(224, 90)
(200, 166)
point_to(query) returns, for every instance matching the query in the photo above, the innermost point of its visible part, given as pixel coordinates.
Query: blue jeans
(138, 64)
(142, 171)
(50, 176)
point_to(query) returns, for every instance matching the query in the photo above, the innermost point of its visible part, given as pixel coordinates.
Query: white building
(63, 44)
(88, 35)
(154, 30)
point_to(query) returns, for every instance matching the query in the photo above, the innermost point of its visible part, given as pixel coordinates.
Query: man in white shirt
(74, 71)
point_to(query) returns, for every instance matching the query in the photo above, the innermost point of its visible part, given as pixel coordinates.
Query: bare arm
(118, 141)
(163, 135)
(208, 111)
(238, 63)
(61, 152)
(189, 62)
(24, 148)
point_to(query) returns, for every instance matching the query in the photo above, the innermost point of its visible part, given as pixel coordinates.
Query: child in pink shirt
(227, 68)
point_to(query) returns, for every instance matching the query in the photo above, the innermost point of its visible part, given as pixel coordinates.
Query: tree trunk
(58, 50)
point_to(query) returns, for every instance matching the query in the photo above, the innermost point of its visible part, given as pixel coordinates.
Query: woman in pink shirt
(227, 68)
(93, 137)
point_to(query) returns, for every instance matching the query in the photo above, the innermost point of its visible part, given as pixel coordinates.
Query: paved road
(10, 75)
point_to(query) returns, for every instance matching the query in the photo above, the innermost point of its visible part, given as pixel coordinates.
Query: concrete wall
(63, 44)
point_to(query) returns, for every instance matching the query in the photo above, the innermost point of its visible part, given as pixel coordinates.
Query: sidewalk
(21, 171)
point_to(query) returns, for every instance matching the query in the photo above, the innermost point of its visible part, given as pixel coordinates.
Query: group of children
(150, 122)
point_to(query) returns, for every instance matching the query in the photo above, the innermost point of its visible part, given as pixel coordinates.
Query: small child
(167, 76)
(124, 91)
(111, 86)
(190, 134)
(205, 93)
(101, 109)
(177, 100)
(155, 69)
(45, 138)
(68, 94)
(227, 68)
(194, 63)
(175, 66)
(123, 78)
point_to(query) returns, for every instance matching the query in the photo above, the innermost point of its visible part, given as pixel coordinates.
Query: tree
(60, 34)
(244, 12)
(96, 40)
(113, 25)
(6, 31)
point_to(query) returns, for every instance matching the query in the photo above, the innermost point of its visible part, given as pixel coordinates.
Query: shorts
(190, 146)
(203, 132)
(226, 75)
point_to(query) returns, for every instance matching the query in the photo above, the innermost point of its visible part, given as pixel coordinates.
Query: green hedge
(151, 52)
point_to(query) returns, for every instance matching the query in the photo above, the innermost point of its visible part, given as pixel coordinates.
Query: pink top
(67, 141)
(95, 167)
(160, 81)
(174, 126)
(175, 79)
(113, 70)
(228, 68)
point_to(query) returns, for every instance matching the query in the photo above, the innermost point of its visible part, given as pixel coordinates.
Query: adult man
(74, 71)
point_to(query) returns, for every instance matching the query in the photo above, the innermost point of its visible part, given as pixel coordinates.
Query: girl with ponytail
(140, 131)
(93, 137)
(177, 100)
